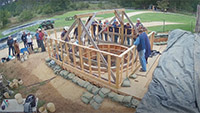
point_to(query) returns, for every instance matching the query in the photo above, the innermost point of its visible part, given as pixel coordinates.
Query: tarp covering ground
(175, 86)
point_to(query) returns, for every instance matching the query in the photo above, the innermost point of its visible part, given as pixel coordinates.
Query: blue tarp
(175, 86)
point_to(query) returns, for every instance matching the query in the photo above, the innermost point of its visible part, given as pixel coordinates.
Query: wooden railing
(87, 63)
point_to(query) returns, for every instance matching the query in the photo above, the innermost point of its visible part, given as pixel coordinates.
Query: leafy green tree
(26, 15)
(163, 5)
(4, 15)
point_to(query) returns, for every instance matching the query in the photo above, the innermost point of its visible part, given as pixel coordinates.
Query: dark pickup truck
(48, 24)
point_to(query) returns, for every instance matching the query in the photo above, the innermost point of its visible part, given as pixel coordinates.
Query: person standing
(141, 48)
(17, 50)
(37, 38)
(24, 39)
(100, 28)
(138, 23)
(105, 31)
(147, 45)
(128, 27)
(63, 34)
(10, 45)
(116, 26)
(30, 41)
(41, 36)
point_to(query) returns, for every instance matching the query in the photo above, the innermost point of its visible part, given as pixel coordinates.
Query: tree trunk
(197, 29)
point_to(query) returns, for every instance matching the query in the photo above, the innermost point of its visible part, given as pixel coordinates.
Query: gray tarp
(175, 87)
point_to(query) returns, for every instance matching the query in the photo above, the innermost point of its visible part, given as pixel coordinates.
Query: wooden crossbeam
(70, 29)
(93, 43)
(129, 20)
(88, 25)
(98, 13)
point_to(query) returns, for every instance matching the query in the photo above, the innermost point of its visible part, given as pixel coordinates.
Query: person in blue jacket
(141, 48)
(147, 45)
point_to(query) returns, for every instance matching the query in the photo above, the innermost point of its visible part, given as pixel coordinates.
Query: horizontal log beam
(98, 13)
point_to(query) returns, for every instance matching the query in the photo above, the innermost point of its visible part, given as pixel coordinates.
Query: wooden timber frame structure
(72, 57)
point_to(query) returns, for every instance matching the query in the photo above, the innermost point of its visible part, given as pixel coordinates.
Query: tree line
(27, 9)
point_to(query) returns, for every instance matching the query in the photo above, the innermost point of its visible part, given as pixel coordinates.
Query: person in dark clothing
(147, 45)
(41, 36)
(10, 46)
(116, 28)
(100, 28)
(141, 48)
(24, 39)
(127, 26)
(76, 33)
(37, 38)
(63, 34)
(94, 24)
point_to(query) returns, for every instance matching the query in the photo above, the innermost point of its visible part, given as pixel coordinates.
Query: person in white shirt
(30, 41)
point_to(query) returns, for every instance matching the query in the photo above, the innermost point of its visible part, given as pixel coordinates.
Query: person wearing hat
(10, 45)
(24, 39)
(63, 33)
(141, 48)
(17, 50)
(41, 37)
(138, 22)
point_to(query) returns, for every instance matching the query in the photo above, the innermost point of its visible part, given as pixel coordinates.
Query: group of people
(27, 39)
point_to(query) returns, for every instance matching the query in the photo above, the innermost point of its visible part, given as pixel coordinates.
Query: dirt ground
(63, 93)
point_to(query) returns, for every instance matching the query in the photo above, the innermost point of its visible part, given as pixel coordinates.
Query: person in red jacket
(41, 36)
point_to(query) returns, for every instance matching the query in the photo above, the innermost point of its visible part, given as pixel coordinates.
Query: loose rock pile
(95, 95)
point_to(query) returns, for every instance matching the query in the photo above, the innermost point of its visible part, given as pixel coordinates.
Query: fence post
(117, 71)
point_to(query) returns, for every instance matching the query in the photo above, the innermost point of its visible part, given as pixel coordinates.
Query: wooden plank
(74, 58)
(49, 52)
(129, 49)
(79, 33)
(51, 42)
(89, 60)
(109, 69)
(113, 35)
(55, 34)
(117, 72)
(92, 49)
(127, 68)
(121, 70)
(70, 29)
(67, 50)
(81, 58)
(93, 43)
(98, 62)
(56, 43)
(97, 13)
(61, 52)
(133, 60)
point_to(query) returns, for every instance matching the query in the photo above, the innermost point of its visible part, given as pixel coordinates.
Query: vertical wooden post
(89, 60)
(52, 48)
(67, 50)
(79, 33)
(127, 68)
(117, 71)
(122, 66)
(132, 35)
(113, 37)
(49, 52)
(81, 58)
(132, 67)
(56, 42)
(99, 64)
(109, 69)
(122, 29)
(62, 58)
(152, 40)
(126, 38)
(55, 34)
(74, 58)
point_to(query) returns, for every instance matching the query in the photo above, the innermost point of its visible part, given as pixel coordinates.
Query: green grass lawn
(188, 22)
